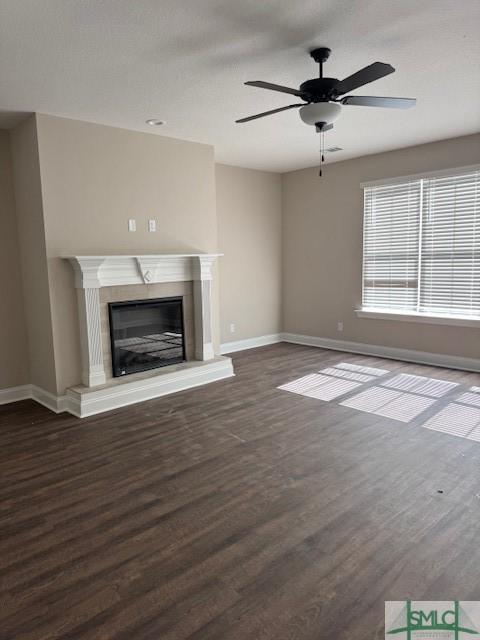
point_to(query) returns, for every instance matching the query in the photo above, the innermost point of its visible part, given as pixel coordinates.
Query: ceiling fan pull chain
(322, 152)
(320, 163)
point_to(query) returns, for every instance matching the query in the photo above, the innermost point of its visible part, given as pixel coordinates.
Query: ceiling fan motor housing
(315, 112)
(319, 89)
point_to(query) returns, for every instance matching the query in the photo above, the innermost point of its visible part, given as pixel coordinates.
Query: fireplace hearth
(146, 334)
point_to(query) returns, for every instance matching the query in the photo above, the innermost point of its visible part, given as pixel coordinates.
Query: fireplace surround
(93, 273)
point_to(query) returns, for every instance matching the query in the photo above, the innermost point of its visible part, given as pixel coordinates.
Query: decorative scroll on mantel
(107, 271)
(94, 272)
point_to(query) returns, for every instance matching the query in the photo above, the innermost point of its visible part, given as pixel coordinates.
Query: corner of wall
(14, 371)
(33, 257)
(249, 224)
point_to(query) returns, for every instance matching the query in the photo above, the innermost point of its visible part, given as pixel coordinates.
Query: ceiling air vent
(333, 149)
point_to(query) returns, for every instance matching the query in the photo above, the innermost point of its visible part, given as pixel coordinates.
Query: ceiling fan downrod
(320, 55)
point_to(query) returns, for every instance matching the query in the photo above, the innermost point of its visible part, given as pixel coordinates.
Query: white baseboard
(250, 343)
(14, 394)
(57, 404)
(98, 401)
(392, 353)
(32, 392)
(87, 402)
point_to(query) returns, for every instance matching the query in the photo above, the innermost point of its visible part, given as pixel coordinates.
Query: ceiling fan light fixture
(315, 112)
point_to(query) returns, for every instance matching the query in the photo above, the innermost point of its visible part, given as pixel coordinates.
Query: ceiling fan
(322, 102)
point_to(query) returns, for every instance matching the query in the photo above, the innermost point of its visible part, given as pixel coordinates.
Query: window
(421, 245)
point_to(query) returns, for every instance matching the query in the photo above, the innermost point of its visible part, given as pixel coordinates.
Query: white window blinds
(390, 251)
(421, 248)
(450, 273)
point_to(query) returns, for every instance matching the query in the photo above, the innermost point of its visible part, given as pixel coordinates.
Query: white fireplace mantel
(94, 272)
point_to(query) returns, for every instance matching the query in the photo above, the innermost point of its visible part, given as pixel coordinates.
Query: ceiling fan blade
(273, 87)
(269, 113)
(368, 74)
(377, 101)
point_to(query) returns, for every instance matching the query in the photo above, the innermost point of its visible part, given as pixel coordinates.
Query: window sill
(386, 314)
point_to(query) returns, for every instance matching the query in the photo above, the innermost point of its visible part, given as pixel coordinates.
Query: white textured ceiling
(119, 62)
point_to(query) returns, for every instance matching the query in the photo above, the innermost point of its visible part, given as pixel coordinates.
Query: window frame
(410, 315)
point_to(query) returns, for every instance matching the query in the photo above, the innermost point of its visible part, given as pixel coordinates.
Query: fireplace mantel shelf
(95, 271)
(144, 255)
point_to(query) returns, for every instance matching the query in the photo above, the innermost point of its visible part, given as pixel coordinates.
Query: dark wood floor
(235, 511)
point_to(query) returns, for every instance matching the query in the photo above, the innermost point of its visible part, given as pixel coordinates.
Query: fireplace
(146, 334)
(187, 280)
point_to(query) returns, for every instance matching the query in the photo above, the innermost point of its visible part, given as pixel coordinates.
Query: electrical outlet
(339, 326)
(132, 225)
(232, 328)
(152, 225)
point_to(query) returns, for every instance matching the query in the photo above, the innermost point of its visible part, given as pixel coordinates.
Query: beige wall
(31, 235)
(14, 367)
(94, 178)
(322, 250)
(249, 234)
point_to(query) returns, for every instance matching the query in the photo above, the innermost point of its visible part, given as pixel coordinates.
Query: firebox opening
(146, 334)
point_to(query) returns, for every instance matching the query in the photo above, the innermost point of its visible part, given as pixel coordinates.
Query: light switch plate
(132, 225)
(152, 225)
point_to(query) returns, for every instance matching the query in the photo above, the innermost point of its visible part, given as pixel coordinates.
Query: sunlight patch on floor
(420, 384)
(332, 389)
(320, 386)
(387, 403)
(457, 420)
(371, 371)
(332, 382)
(470, 397)
(403, 397)
(347, 375)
